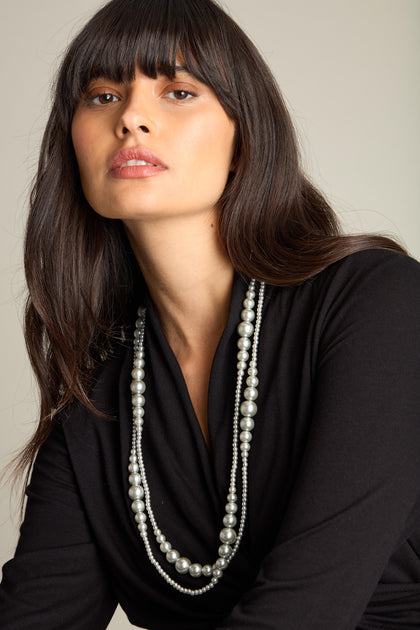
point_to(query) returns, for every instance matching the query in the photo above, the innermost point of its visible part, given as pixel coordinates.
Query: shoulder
(373, 281)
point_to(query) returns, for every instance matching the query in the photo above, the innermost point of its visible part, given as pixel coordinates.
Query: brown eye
(103, 99)
(180, 95)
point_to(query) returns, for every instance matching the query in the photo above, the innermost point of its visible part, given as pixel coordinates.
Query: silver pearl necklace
(139, 491)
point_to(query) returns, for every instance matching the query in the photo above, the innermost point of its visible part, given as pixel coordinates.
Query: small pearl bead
(165, 547)
(138, 412)
(182, 565)
(140, 517)
(231, 508)
(206, 570)
(217, 573)
(245, 447)
(249, 303)
(241, 365)
(160, 538)
(133, 468)
(138, 363)
(242, 355)
(232, 497)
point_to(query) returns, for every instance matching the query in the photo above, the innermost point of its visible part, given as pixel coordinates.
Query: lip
(154, 165)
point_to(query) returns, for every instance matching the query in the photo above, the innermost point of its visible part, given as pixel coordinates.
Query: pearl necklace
(139, 491)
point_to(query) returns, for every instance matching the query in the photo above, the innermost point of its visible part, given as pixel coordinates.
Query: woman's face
(152, 148)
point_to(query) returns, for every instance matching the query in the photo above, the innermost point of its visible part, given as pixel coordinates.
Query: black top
(332, 540)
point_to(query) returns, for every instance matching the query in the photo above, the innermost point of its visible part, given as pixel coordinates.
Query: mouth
(135, 163)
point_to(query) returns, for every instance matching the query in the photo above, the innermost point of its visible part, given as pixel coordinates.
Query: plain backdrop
(349, 70)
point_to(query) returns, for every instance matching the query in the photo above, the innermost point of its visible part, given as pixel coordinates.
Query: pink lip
(118, 171)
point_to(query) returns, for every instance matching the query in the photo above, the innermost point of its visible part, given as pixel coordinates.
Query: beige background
(349, 71)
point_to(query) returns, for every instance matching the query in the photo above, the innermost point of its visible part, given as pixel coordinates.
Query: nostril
(144, 128)
(124, 130)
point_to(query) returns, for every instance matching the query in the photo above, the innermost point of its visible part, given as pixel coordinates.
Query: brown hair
(274, 224)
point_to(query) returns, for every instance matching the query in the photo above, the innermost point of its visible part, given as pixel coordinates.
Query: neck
(189, 277)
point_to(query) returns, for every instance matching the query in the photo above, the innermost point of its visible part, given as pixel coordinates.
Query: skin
(170, 218)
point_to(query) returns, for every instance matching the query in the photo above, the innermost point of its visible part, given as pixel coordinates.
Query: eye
(180, 95)
(103, 99)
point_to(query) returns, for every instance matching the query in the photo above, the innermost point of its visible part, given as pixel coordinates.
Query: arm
(356, 498)
(55, 579)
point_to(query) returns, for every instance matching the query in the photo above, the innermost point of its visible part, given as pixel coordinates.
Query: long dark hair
(274, 224)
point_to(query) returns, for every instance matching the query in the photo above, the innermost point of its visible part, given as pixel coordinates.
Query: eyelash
(90, 100)
(187, 92)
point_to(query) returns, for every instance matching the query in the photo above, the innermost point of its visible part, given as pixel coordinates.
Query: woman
(243, 451)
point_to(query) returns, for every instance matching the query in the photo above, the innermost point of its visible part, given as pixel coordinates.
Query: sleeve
(56, 580)
(356, 498)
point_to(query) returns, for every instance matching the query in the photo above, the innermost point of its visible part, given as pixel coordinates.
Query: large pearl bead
(134, 479)
(244, 343)
(138, 400)
(248, 408)
(251, 393)
(136, 492)
(229, 520)
(195, 570)
(138, 506)
(224, 551)
(182, 565)
(172, 556)
(207, 570)
(227, 536)
(245, 329)
(245, 436)
(247, 424)
(137, 374)
(137, 387)
(247, 315)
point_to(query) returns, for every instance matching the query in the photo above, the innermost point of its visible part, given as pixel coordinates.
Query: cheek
(82, 142)
(213, 144)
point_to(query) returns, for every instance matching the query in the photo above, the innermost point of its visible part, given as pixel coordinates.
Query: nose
(135, 117)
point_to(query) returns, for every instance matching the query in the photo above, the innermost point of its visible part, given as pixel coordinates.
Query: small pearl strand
(139, 491)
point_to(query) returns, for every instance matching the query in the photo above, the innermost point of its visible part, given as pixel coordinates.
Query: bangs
(155, 36)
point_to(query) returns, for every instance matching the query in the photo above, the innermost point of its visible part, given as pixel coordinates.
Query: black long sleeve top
(332, 538)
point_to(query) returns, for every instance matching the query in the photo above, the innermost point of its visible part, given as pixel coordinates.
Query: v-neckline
(220, 357)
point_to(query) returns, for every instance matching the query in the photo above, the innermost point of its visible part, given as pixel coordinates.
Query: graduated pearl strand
(139, 491)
